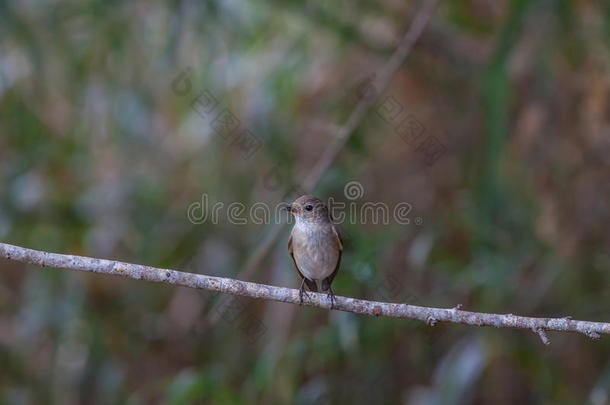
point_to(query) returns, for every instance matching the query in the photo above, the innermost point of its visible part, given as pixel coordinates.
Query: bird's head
(308, 208)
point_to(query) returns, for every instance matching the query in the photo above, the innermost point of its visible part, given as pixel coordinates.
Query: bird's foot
(331, 296)
(301, 292)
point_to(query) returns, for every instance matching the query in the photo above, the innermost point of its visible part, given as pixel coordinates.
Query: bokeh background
(102, 153)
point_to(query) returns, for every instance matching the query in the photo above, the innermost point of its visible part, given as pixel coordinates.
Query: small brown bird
(315, 245)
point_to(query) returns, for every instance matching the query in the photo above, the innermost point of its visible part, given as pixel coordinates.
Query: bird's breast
(315, 250)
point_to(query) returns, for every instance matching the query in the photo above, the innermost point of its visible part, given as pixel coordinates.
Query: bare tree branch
(266, 292)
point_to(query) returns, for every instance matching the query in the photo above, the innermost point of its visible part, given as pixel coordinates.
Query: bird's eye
(309, 207)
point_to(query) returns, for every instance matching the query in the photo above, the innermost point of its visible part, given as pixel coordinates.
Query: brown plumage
(314, 245)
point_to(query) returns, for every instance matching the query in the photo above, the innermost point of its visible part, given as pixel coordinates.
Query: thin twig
(380, 83)
(266, 292)
(542, 334)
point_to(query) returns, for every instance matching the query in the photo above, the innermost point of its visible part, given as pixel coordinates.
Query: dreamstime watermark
(222, 121)
(351, 212)
(229, 129)
(403, 123)
(237, 312)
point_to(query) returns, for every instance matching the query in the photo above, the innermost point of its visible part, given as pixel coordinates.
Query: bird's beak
(288, 208)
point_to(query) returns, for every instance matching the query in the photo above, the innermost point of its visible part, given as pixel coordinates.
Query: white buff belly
(315, 251)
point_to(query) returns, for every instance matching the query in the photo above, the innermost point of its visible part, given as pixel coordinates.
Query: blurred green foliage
(100, 156)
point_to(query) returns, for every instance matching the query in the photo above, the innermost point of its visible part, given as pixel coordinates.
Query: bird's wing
(292, 255)
(329, 279)
(339, 240)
